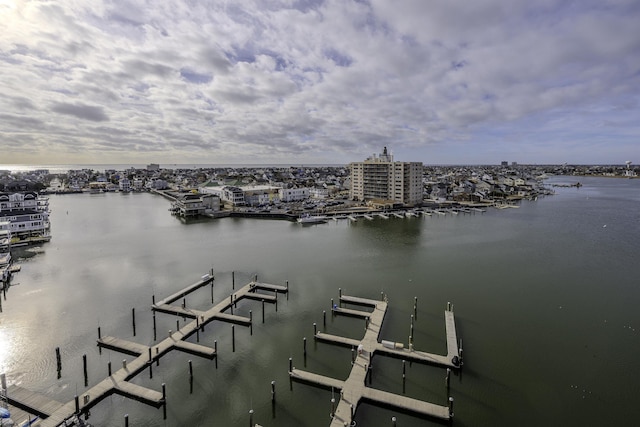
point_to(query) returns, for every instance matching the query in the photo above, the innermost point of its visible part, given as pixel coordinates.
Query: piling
(157, 357)
(212, 280)
(190, 370)
(290, 365)
(287, 284)
(177, 325)
(273, 391)
(250, 323)
(352, 412)
(404, 369)
(126, 420)
(154, 326)
(109, 368)
(276, 300)
(233, 280)
(153, 299)
(164, 399)
(233, 337)
(133, 319)
(448, 379)
(333, 406)
(393, 421)
(215, 349)
(250, 417)
(450, 406)
(99, 333)
(58, 360)
(353, 355)
(340, 292)
(124, 363)
(197, 330)
(77, 401)
(84, 365)
(315, 329)
(304, 345)
(262, 311)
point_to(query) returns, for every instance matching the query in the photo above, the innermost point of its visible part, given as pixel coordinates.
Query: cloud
(320, 81)
(81, 111)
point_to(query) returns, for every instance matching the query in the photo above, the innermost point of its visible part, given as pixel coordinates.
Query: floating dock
(354, 390)
(54, 413)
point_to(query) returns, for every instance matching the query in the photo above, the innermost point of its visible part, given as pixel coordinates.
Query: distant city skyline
(319, 82)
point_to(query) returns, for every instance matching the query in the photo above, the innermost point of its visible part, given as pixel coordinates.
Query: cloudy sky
(312, 81)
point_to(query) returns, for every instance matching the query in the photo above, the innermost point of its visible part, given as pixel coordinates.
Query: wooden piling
(58, 360)
(126, 420)
(450, 406)
(304, 345)
(315, 329)
(190, 370)
(84, 365)
(448, 380)
(133, 319)
(109, 368)
(154, 327)
(164, 400)
(215, 348)
(233, 337)
(233, 280)
(77, 402)
(273, 391)
(250, 323)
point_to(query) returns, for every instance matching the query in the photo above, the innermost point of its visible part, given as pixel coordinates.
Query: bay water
(545, 296)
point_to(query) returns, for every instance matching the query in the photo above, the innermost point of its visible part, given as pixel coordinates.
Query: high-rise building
(381, 179)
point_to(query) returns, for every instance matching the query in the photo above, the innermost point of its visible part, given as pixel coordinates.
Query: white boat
(312, 219)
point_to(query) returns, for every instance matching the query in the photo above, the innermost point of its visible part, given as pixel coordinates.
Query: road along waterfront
(545, 299)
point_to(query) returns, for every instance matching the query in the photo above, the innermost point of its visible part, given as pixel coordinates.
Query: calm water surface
(545, 297)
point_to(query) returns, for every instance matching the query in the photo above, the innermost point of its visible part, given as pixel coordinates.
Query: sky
(319, 82)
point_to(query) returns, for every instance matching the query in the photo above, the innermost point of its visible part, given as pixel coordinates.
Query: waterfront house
(28, 215)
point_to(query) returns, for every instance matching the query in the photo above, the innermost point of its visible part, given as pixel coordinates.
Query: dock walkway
(354, 389)
(55, 414)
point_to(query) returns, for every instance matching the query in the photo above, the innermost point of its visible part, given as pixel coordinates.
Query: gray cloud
(81, 111)
(318, 81)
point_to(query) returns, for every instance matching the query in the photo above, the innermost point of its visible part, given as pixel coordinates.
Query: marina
(354, 388)
(554, 295)
(54, 414)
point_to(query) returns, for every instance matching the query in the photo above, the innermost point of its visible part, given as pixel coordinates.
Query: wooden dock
(353, 389)
(56, 413)
(31, 402)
